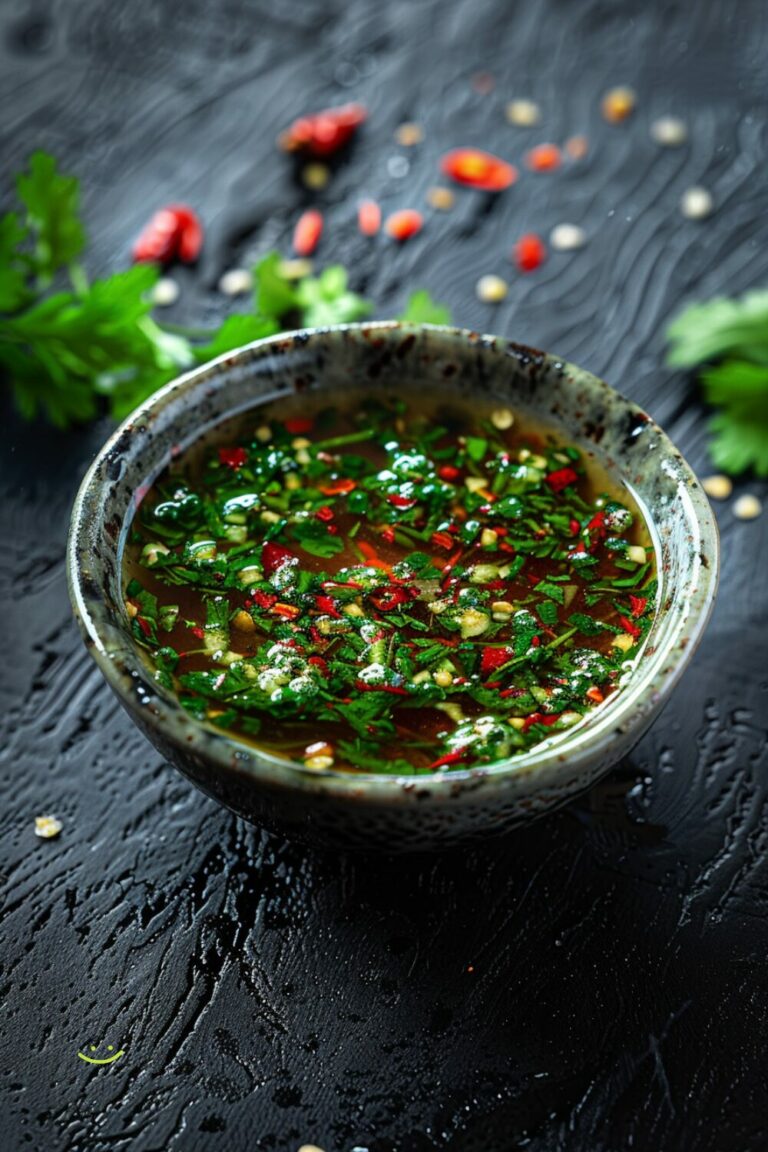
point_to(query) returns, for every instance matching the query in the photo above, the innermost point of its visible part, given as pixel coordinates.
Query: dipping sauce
(389, 587)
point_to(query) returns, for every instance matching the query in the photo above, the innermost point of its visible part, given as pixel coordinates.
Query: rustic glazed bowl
(395, 813)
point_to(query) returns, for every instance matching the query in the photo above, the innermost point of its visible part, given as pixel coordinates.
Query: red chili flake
(307, 233)
(448, 472)
(388, 535)
(628, 626)
(561, 478)
(450, 758)
(538, 718)
(595, 695)
(577, 147)
(325, 513)
(372, 556)
(299, 425)
(319, 663)
(535, 642)
(574, 527)
(273, 556)
(327, 605)
(198, 632)
(325, 132)
(288, 611)
(144, 625)
(477, 169)
(505, 547)
(544, 158)
(264, 599)
(401, 501)
(339, 487)
(233, 457)
(442, 540)
(175, 232)
(596, 529)
(493, 658)
(387, 599)
(509, 692)
(529, 252)
(404, 224)
(637, 604)
(368, 217)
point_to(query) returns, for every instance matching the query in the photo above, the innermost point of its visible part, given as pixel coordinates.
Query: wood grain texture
(595, 983)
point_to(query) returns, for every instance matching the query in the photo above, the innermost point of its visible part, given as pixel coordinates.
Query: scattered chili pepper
(299, 425)
(404, 224)
(388, 535)
(198, 632)
(544, 158)
(264, 599)
(387, 599)
(442, 540)
(630, 627)
(327, 605)
(324, 513)
(287, 611)
(372, 556)
(638, 604)
(448, 472)
(173, 233)
(307, 233)
(529, 252)
(449, 758)
(369, 217)
(401, 501)
(477, 169)
(393, 688)
(274, 556)
(338, 487)
(595, 695)
(561, 478)
(493, 658)
(325, 132)
(233, 458)
(539, 718)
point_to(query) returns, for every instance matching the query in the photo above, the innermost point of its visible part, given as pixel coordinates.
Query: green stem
(349, 438)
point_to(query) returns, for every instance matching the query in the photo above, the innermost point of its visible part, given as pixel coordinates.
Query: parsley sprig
(69, 347)
(731, 338)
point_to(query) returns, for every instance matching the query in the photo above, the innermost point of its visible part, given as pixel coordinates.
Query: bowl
(394, 813)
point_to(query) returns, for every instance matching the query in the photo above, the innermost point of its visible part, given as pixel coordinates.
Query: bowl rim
(630, 711)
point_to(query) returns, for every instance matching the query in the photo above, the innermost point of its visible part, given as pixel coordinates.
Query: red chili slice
(388, 535)
(638, 604)
(448, 472)
(325, 513)
(401, 501)
(633, 630)
(544, 158)
(327, 605)
(450, 758)
(595, 695)
(369, 217)
(561, 478)
(362, 687)
(233, 457)
(529, 252)
(477, 169)
(299, 425)
(339, 487)
(325, 132)
(307, 233)
(264, 599)
(404, 224)
(538, 718)
(387, 599)
(273, 556)
(174, 232)
(493, 658)
(442, 540)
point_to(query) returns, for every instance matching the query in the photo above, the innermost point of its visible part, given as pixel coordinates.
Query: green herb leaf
(52, 202)
(422, 309)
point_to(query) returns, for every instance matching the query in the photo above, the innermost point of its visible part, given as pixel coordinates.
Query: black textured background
(598, 982)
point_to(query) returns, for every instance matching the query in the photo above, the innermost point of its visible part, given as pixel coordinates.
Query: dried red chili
(307, 233)
(529, 252)
(369, 217)
(233, 458)
(477, 169)
(544, 158)
(325, 132)
(173, 233)
(561, 478)
(404, 224)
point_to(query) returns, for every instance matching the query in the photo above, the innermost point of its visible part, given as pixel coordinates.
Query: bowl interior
(383, 358)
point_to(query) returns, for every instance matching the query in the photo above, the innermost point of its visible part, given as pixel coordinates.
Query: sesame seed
(669, 131)
(576, 147)
(263, 433)
(46, 827)
(567, 237)
(502, 418)
(718, 487)
(618, 104)
(409, 134)
(165, 292)
(491, 289)
(441, 199)
(236, 282)
(315, 176)
(696, 203)
(747, 507)
(318, 763)
(523, 113)
(443, 679)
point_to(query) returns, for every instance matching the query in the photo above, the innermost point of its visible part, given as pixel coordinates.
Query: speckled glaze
(395, 813)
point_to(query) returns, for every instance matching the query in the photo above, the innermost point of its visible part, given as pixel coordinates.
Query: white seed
(669, 131)
(131, 609)
(236, 282)
(502, 418)
(718, 487)
(315, 176)
(46, 827)
(269, 517)
(488, 538)
(310, 1148)
(502, 608)
(623, 641)
(353, 610)
(636, 553)
(696, 203)
(475, 483)
(491, 289)
(747, 507)
(523, 113)
(441, 199)
(443, 678)
(318, 763)
(567, 237)
(409, 134)
(295, 269)
(263, 433)
(165, 292)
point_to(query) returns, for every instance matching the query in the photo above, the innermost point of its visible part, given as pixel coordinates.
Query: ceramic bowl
(350, 810)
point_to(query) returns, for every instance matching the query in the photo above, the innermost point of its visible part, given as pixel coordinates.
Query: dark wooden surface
(597, 982)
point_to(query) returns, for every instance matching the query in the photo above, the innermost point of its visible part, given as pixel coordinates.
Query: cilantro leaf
(13, 282)
(274, 295)
(234, 332)
(708, 331)
(52, 202)
(326, 299)
(422, 309)
(314, 537)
